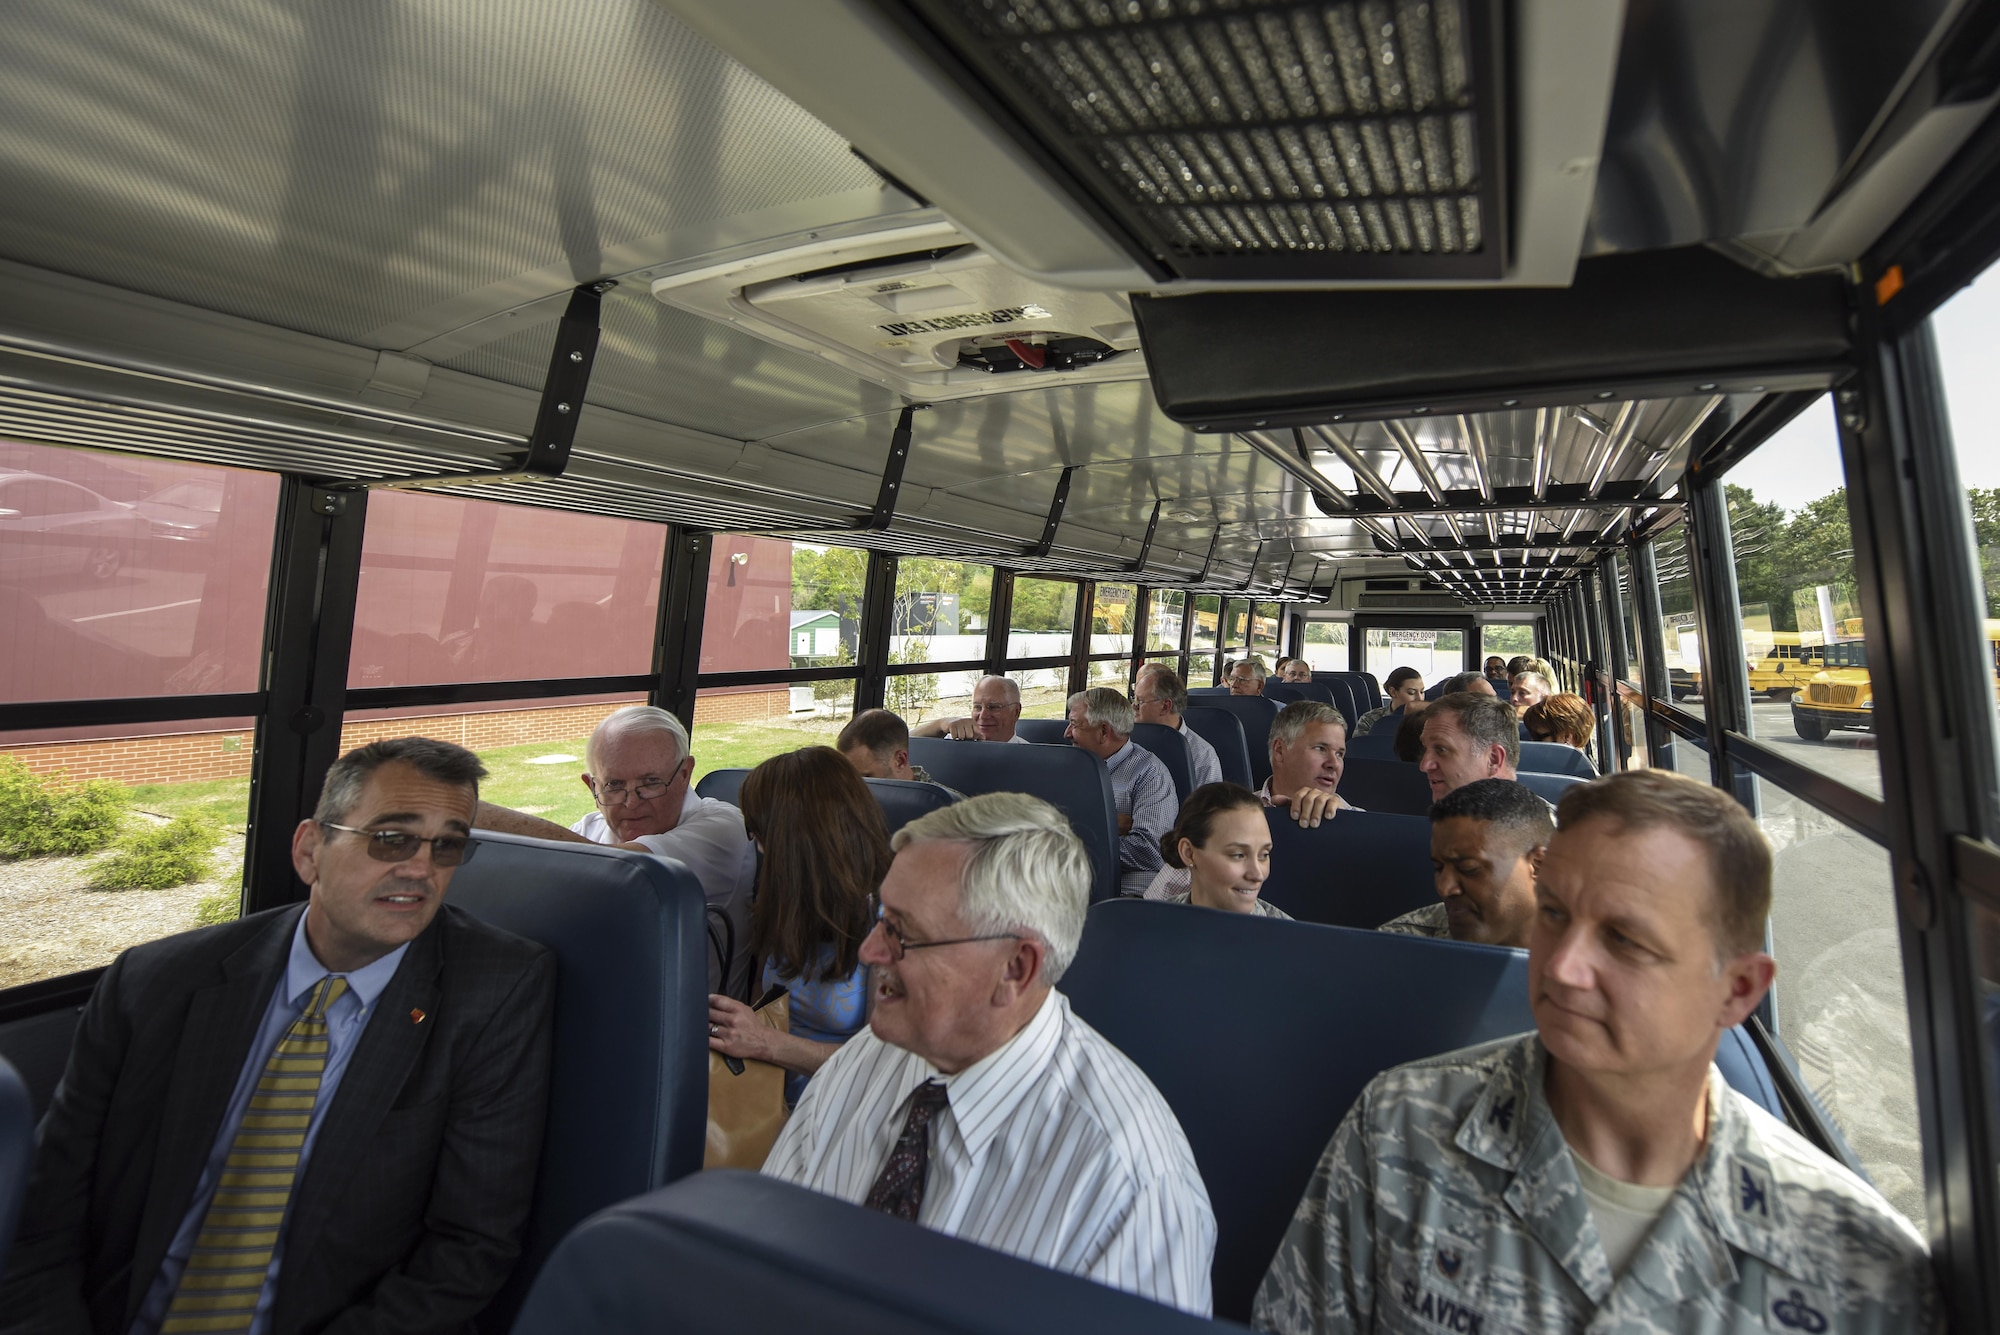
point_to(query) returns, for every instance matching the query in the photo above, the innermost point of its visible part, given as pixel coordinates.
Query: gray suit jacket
(409, 1214)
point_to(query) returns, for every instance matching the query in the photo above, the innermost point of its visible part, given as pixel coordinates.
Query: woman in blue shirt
(825, 851)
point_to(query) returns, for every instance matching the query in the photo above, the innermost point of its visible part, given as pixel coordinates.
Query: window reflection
(126, 577)
(1043, 619)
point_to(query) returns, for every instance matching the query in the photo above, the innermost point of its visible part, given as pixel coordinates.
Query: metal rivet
(1510, 403)
(1604, 394)
(562, 407)
(1707, 387)
(576, 356)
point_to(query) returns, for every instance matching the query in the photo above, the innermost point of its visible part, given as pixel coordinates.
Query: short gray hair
(1299, 715)
(1537, 679)
(1486, 720)
(1013, 687)
(1255, 664)
(347, 776)
(1028, 871)
(1168, 684)
(640, 719)
(1103, 706)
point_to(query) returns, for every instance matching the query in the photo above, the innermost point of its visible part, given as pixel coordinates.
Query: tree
(829, 580)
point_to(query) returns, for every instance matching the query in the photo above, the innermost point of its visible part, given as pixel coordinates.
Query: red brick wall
(193, 756)
(175, 758)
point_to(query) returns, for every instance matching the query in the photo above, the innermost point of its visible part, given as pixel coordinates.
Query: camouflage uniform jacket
(1430, 920)
(1448, 1201)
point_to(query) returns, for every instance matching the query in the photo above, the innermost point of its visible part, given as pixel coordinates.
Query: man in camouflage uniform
(1598, 1174)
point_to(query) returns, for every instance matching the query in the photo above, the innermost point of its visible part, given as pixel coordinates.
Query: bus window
(1680, 628)
(1042, 627)
(1803, 639)
(1164, 614)
(1205, 663)
(775, 607)
(1113, 608)
(1840, 1003)
(124, 577)
(939, 618)
(1326, 646)
(1508, 639)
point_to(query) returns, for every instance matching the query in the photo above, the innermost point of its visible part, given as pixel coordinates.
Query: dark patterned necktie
(899, 1188)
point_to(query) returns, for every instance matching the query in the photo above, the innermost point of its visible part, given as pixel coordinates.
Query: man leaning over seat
(1308, 755)
(996, 708)
(977, 1103)
(324, 1118)
(640, 778)
(1598, 1172)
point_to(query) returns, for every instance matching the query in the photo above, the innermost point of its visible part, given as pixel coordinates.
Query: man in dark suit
(325, 1119)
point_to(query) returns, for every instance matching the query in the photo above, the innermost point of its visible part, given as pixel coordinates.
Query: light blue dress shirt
(1144, 791)
(345, 1020)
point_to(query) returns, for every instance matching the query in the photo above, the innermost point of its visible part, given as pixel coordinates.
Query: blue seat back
(1255, 713)
(1359, 869)
(1172, 750)
(1549, 787)
(722, 785)
(727, 1252)
(1208, 690)
(1219, 728)
(1391, 786)
(1069, 778)
(1043, 731)
(1436, 689)
(1293, 1018)
(1355, 1002)
(628, 1100)
(1284, 692)
(903, 800)
(1373, 745)
(17, 1152)
(1555, 758)
(1374, 687)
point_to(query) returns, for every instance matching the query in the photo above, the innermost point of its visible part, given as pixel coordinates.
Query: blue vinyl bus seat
(1390, 786)
(727, 1252)
(1555, 758)
(1359, 869)
(1071, 779)
(1172, 750)
(722, 785)
(1290, 1022)
(628, 1102)
(1284, 692)
(1550, 787)
(17, 1152)
(1255, 713)
(1305, 1016)
(1208, 690)
(1043, 731)
(903, 800)
(1220, 730)
(1373, 746)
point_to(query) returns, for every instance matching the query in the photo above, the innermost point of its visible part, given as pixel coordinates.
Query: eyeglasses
(900, 945)
(617, 794)
(447, 850)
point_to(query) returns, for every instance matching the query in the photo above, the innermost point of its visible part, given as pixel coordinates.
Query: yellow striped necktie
(232, 1254)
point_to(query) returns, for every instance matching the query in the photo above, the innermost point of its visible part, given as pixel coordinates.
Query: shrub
(163, 857)
(215, 909)
(39, 815)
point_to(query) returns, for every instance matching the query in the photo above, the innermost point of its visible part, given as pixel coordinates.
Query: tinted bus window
(124, 577)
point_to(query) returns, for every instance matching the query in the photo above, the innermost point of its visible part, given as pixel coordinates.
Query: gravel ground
(53, 923)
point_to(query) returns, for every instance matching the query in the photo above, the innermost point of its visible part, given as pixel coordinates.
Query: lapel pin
(416, 1016)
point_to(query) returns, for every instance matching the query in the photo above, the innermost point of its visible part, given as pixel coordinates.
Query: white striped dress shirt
(1054, 1148)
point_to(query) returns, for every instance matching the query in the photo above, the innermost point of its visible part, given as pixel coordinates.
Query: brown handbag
(746, 1109)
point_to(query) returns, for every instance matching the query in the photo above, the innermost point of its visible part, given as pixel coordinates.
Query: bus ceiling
(1248, 301)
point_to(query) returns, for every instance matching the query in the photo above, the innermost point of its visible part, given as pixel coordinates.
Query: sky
(1802, 462)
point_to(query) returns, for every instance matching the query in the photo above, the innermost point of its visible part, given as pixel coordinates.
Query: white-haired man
(640, 767)
(1245, 677)
(996, 708)
(1100, 722)
(976, 1103)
